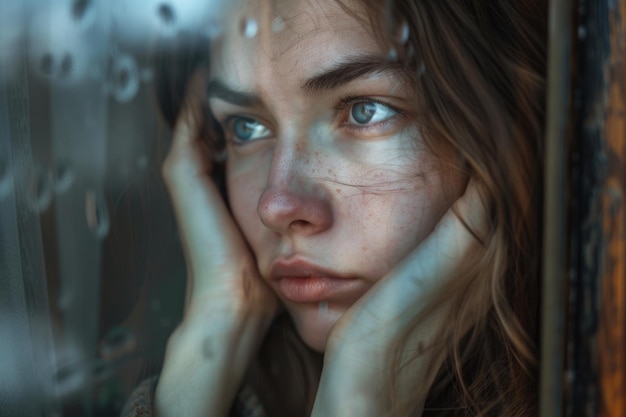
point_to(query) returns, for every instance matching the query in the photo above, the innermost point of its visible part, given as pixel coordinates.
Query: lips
(301, 282)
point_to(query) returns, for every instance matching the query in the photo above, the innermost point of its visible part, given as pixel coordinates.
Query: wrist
(205, 363)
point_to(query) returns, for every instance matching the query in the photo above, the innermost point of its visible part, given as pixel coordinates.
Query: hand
(360, 348)
(228, 306)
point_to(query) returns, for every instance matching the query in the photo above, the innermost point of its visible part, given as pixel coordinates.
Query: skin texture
(312, 195)
(311, 184)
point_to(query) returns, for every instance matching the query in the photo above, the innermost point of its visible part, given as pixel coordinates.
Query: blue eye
(246, 129)
(366, 112)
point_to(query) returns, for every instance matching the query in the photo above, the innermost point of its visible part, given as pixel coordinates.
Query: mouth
(299, 281)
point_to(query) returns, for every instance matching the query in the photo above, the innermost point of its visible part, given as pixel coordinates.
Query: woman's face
(327, 174)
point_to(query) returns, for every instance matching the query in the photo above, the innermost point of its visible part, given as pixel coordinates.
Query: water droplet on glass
(6, 177)
(166, 14)
(392, 55)
(249, 27)
(70, 379)
(101, 369)
(66, 65)
(402, 33)
(323, 306)
(123, 82)
(39, 189)
(63, 177)
(97, 213)
(422, 70)
(80, 8)
(278, 24)
(47, 64)
(118, 343)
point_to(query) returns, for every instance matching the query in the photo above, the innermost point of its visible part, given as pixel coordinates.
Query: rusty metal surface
(596, 312)
(612, 316)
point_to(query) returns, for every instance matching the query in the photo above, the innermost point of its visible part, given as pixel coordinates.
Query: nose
(294, 201)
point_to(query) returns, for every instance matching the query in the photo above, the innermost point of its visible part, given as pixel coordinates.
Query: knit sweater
(140, 402)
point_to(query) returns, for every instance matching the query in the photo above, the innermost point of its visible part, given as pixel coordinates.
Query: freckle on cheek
(338, 191)
(364, 248)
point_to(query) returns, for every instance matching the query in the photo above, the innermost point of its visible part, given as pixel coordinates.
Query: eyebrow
(329, 79)
(352, 69)
(217, 89)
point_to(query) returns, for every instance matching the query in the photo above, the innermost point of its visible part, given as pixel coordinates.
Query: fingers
(436, 260)
(409, 287)
(211, 241)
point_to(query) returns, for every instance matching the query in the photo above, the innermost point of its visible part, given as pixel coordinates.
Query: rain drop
(80, 8)
(249, 28)
(422, 70)
(70, 379)
(323, 307)
(39, 189)
(582, 32)
(47, 64)
(97, 213)
(118, 343)
(278, 24)
(392, 55)
(63, 177)
(402, 33)
(166, 14)
(6, 179)
(101, 369)
(66, 65)
(124, 78)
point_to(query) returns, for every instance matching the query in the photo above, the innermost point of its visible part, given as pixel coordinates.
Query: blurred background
(91, 275)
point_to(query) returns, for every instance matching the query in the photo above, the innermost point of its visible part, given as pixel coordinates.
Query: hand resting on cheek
(358, 351)
(228, 307)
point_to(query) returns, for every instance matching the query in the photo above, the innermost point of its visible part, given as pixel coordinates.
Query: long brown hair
(479, 71)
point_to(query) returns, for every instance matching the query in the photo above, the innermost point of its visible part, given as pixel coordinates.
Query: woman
(377, 251)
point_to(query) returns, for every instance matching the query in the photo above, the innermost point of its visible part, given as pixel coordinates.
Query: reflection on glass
(347, 225)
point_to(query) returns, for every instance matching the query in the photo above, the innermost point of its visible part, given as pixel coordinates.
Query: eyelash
(347, 101)
(345, 104)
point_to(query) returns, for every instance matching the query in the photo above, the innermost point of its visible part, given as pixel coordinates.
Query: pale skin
(311, 177)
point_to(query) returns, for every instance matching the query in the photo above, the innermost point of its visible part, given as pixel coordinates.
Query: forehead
(293, 39)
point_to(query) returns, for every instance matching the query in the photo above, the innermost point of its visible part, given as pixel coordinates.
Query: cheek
(387, 226)
(244, 191)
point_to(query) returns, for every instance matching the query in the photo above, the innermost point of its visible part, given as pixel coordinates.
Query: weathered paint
(595, 353)
(612, 316)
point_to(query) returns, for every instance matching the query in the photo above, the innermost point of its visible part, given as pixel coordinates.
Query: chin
(314, 324)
